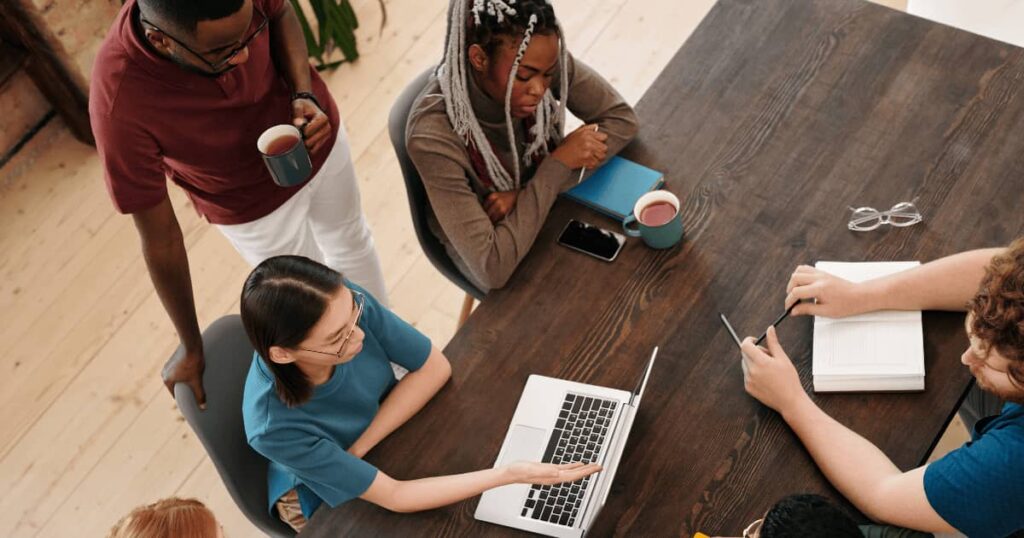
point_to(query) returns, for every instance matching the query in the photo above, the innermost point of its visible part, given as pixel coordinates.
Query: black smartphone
(589, 239)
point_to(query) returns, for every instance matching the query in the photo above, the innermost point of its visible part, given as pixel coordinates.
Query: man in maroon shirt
(181, 90)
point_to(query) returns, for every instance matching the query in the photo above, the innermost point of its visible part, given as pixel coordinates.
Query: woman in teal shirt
(321, 393)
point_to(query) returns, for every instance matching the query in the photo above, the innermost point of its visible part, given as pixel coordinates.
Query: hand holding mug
(312, 123)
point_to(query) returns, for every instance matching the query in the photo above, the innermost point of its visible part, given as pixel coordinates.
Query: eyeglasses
(358, 300)
(865, 219)
(754, 529)
(231, 55)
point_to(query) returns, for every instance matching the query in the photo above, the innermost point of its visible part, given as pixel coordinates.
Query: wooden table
(773, 118)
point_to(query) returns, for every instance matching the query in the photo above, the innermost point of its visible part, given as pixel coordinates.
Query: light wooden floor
(87, 430)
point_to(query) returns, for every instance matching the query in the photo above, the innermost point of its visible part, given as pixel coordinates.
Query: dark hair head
(186, 14)
(494, 30)
(283, 298)
(998, 309)
(808, 516)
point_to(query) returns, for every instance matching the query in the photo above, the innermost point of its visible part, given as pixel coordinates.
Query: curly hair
(998, 309)
(167, 518)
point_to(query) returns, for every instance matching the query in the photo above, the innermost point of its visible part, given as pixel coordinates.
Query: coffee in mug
(657, 220)
(282, 144)
(657, 213)
(285, 155)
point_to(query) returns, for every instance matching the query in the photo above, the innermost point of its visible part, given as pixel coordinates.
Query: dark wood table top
(773, 118)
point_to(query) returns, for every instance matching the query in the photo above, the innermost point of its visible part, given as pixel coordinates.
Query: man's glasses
(358, 300)
(219, 64)
(865, 219)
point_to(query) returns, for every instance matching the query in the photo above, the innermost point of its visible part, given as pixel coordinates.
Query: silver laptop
(560, 421)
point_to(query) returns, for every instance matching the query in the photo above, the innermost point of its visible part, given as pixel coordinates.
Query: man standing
(181, 90)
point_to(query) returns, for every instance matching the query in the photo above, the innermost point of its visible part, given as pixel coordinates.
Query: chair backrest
(432, 247)
(219, 427)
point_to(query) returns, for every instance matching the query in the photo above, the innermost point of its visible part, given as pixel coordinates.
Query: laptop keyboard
(578, 436)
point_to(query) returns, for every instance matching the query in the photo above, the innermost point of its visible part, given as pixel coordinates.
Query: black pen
(776, 322)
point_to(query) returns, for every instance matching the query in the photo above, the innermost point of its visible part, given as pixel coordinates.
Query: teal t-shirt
(307, 445)
(979, 487)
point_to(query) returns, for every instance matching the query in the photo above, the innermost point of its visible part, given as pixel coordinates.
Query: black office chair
(219, 428)
(418, 201)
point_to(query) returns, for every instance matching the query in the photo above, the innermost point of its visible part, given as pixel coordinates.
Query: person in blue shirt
(977, 489)
(321, 393)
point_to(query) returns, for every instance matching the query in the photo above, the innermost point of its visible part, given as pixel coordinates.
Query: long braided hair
(484, 23)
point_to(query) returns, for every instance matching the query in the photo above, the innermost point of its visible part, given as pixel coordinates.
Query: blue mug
(662, 235)
(284, 152)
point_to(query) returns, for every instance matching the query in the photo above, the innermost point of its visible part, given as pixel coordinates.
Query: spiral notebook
(873, 352)
(614, 188)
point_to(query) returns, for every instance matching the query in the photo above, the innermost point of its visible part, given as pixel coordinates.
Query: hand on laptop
(824, 294)
(529, 472)
(770, 376)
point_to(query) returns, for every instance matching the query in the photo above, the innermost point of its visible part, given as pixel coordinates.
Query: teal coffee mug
(285, 155)
(656, 219)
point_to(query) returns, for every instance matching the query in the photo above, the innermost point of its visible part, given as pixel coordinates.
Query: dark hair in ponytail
(282, 299)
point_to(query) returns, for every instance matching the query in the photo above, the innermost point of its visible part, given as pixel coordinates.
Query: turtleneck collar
(487, 110)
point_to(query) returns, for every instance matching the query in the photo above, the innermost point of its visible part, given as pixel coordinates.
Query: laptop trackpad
(525, 444)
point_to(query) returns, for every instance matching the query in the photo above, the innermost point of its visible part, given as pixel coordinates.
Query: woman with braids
(321, 393)
(486, 134)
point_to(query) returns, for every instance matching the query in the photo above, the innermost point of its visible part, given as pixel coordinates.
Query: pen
(776, 322)
(584, 169)
(732, 332)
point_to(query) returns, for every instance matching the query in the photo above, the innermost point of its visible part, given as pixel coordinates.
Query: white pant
(997, 19)
(323, 221)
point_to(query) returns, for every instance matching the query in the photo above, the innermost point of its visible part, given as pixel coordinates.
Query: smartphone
(589, 239)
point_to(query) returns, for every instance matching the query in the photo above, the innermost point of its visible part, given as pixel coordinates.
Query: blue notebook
(614, 188)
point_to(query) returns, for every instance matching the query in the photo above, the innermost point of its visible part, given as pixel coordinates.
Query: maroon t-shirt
(153, 120)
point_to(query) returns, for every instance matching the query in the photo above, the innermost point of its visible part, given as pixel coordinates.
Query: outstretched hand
(528, 472)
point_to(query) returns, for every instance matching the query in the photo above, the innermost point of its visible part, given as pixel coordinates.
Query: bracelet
(307, 95)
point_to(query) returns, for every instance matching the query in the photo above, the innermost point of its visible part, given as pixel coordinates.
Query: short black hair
(186, 14)
(808, 516)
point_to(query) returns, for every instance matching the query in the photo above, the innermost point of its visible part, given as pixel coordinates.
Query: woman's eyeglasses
(753, 530)
(358, 301)
(865, 219)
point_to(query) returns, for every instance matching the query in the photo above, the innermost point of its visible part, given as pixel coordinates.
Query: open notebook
(877, 351)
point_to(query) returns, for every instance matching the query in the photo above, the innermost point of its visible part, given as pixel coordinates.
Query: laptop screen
(638, 392)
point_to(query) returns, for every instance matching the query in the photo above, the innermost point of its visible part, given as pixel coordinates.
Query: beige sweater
(489, 253)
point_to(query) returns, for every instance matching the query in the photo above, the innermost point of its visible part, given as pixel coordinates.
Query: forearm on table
(405, 400)
(944, 284)
(288, 46)
(433, 492)
(857, 468)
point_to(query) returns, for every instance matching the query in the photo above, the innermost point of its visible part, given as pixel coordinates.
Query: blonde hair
(453, 75)
(167, 518)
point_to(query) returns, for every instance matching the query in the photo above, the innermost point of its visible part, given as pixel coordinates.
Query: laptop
(560, 421)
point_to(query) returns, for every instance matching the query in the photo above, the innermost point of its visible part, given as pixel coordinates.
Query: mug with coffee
(285, 155)
(657, 219)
